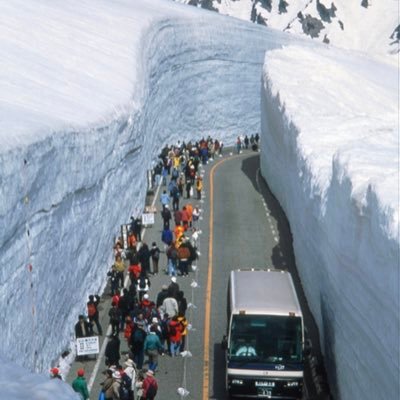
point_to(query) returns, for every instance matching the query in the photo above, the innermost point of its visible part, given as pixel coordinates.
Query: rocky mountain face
(363, 25)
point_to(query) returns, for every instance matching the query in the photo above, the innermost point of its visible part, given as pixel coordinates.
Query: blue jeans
(171, 267)
(174, 349)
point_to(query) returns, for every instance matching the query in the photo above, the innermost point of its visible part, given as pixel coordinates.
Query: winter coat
(177, 335)
(112, 351)
(79, 332)
(166, 236)
(148, 381)
(107, 387)
(169, 306)
(119, 266)
(155, 253)
(152, 342)
(80, 386)
(161, 297)
(185, 216)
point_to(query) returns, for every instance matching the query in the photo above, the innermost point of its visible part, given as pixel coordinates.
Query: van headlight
(237, 382)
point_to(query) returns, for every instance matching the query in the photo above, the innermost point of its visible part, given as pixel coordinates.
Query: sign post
(87, 346)
(147, 219)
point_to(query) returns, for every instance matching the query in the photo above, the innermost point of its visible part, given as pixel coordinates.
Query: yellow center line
(207, 317)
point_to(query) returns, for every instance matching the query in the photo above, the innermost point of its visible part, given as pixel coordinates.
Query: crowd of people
(151, 327)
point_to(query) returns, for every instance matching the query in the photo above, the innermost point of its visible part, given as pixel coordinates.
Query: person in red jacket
(175, 336)
(150, 386)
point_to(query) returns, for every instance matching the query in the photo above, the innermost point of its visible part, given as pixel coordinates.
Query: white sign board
(87, 345)
(148, 219)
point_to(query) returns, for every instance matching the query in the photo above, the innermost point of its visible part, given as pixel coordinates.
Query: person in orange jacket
(189, 209)
(178, 231)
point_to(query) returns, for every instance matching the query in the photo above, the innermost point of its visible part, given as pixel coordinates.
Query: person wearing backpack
(137, 343)
(155, 257)
(131, 371)
(175, 197)
(143, 286)
(125, 392)
(152, 347)
(93, 313)
(150, 386)
(115, 317)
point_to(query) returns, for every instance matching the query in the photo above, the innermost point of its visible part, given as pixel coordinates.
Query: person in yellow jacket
(183, 322)
(199, 187)
(119, 268)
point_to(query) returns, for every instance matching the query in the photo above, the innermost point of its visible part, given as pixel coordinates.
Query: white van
(265, 336)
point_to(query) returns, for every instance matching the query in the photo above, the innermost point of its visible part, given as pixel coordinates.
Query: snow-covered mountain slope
(89, 95)
(330, 153)
(370, 26)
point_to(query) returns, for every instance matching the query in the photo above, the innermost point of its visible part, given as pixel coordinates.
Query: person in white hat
(130, 370)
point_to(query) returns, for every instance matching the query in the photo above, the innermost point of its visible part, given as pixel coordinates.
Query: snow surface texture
(88, 96)
(366, 26)
(330, 155)
(18, 383)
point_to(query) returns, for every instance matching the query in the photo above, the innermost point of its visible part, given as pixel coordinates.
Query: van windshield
(265, 338)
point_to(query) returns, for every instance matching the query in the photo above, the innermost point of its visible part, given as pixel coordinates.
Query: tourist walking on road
(93, 313)
(199, 187)
(107, 385)
(172, 256)
(112, 352)
(119, 267)
(169, 306)
(149, 387)
(155, 257)
(238, 144)
(115, 317)
(79, 384)
(166, 216)
(164, 199)
(152, 347)
(82, 327)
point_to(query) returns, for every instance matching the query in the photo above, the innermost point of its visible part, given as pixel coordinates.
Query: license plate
(264, 384)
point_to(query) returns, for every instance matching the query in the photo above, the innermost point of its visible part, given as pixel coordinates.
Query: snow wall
(330, 156)
(131, 79)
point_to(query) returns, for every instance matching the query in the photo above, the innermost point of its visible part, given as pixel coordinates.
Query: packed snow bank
(89, 95)
(330, 155)
(18, 384)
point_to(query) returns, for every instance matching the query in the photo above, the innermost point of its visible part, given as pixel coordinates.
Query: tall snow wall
(330, 155)
(89, 95)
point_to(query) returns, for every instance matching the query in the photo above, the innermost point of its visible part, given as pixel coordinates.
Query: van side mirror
(224, 343)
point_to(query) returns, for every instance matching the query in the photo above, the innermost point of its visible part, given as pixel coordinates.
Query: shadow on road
(218, 389)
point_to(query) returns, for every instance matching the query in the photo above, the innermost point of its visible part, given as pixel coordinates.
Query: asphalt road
(248, 230)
